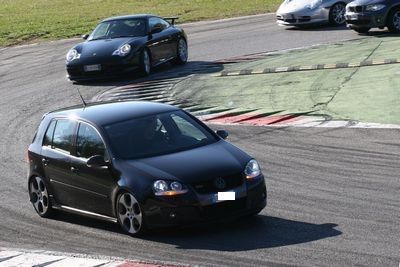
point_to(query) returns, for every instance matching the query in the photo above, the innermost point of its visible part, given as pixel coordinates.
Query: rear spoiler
(172, 19)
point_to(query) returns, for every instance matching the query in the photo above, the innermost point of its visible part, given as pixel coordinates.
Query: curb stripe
(341, 65)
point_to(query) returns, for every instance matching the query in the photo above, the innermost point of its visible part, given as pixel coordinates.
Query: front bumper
(109, 67)
(306, 17)
(366, 19)
(195, 209)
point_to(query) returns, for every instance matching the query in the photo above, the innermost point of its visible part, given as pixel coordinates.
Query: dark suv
(141, 164)
(362, 15)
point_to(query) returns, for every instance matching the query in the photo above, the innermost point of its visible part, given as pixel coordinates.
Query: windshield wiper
(100, 38)
(122, 36)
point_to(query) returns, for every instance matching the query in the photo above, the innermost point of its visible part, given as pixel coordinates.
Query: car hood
(195, 165)
(293, 6)
(102, 48)
(365, 2)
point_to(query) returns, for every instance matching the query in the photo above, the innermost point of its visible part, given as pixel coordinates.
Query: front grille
(359, 22)
(224, 208)
(207, 187)
(106, 69)
(294, 20)
(357, 9)
(304, 18)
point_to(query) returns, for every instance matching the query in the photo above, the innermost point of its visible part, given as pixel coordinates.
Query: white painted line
(8, 253)
(80, 262)
(30, 259)
(317, 122)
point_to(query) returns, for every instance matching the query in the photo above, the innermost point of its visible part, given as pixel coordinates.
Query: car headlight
(164, 188)
(374, 7)
(123, 50)
(252, 169)
(72, 55)
(314, 3)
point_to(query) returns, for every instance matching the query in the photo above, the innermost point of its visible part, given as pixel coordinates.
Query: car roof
(134, 16)
(103, 113)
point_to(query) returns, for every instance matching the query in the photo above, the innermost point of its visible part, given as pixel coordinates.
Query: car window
(63, 133)
(48, 137)
(158, 23)
(119, 28)
(100, 31)
(158, 134)
(188, 129)
(89, 142)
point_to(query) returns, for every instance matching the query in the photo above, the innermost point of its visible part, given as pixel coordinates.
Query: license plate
(224, 196)
(353, 17)
(88, 68)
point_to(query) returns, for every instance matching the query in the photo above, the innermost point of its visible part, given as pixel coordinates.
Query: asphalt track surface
(333, 193)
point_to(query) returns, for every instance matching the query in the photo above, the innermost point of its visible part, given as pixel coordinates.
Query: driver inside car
(148, 135)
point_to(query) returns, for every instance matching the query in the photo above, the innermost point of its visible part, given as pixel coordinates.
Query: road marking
(341, 65)
(24, 258)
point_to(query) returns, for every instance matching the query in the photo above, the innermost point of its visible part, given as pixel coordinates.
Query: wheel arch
(389, 11)
(116, 193)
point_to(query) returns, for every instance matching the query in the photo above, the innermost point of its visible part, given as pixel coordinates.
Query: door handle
(45, 161)
(74, 170)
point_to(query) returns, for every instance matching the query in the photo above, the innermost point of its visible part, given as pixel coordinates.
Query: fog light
(172, 215)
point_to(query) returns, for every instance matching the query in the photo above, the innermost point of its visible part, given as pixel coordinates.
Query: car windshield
(156, 135)
(119, 28)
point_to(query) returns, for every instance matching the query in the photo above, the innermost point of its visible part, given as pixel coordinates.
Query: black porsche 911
(144, 165)
(126, 44)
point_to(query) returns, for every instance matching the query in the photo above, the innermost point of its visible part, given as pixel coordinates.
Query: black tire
(393, 20)
(336, 14)
(362, 30)
(255, 213)
(181, 52)
(145, 62)
(40, 197)
(129, 214)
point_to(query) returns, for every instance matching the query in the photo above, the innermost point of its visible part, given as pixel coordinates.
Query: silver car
(304, 12)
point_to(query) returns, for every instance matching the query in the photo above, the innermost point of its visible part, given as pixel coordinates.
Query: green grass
(27, 20)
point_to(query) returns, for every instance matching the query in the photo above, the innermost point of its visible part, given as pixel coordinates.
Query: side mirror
(156, 30)
(96, 161)
(222, 133)
(85, 36)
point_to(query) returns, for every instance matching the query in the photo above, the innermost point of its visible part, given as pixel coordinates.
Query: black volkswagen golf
(144, 165)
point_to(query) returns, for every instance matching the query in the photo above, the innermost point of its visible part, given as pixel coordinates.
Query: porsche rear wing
(171, 19)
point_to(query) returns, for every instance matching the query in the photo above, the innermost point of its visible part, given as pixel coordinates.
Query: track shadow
(381, 33)
(247, 234)
(165, 71)
(86, 221)
(240, 235)
(318, 28)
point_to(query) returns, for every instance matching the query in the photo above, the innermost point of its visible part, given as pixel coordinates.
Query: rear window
(48, 137)
(59, 135)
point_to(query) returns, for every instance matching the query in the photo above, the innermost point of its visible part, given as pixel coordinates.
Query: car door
(93, 184)
(160, 40)
(56, 152)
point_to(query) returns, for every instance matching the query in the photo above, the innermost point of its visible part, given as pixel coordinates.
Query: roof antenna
(83, 100)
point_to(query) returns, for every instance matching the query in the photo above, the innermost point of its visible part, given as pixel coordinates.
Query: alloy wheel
(146, 62)
(338, 12)
(183, 51)
(396, 20)
(129, 213)
(39, 196)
